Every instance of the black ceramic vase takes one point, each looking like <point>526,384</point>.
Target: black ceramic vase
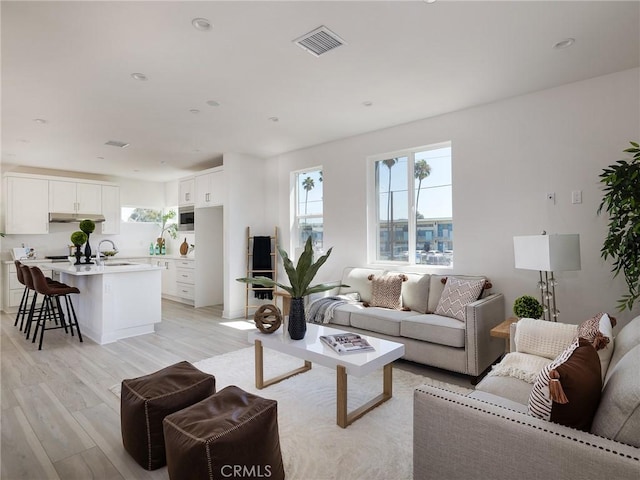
<point>297,321</point>
<point>78,255</point>
<point>87,251</point>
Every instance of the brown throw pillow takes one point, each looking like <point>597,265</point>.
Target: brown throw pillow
<point>567,391</point>
<point>386,291</point>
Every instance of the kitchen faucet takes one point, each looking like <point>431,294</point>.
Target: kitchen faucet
<point>99,260</point>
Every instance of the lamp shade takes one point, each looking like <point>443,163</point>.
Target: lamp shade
<point>547,253</point>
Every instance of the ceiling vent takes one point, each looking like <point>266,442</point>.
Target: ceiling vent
<point>116,143</point>
<point>319,41</point>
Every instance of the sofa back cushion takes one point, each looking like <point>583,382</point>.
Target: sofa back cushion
<point>543,338</point>
<point>415,292</point>
<point>358,281</point>
<point>618,415</point>
<point>626,339</point>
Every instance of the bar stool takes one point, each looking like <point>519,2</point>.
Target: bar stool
<point>24,301</point>
<point>47,311</point>
<point>31,310</point>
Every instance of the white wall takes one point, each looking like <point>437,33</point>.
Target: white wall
<point>506,156</point>
<point>245,205</point>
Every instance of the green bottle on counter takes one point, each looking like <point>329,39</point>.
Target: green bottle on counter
<point>151,249</point>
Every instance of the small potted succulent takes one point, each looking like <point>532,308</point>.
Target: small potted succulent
<point>527,307</point>
<point>78,238</point>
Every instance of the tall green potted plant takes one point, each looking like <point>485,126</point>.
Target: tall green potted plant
<point>300,278</point>
<point>621,201</point>
<point>170,228</point>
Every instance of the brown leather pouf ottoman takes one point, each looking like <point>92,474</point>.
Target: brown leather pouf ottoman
<point>145,401</point>
<point>232,434</point>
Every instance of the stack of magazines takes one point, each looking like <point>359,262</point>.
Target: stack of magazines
<point>347,343</point>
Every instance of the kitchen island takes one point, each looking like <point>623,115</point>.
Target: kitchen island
<point>117,300</point>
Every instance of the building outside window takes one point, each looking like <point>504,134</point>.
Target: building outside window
<point>308,220</point>
<point>413,220</point>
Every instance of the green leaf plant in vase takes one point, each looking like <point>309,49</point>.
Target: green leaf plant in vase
<point>79,238</point>
<point>621,202</point>
<point>527,307</point>
<point>300,278</point>
<point>88,227</point>
<point>166,227</point>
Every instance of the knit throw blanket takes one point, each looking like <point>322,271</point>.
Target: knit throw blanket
<point>522,366</point>
<point>321,310</point>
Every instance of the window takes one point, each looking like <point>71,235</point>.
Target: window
<point>141,215</point>
<point>308,207</point>
<point>413,220</point>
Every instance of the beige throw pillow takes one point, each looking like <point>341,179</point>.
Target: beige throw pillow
<point>457,294</point>
<point>386,291</point>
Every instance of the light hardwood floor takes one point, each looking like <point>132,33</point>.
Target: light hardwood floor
<point>59,420</point>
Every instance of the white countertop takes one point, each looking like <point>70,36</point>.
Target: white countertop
<point>92,269</point>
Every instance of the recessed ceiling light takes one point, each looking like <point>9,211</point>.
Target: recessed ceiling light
<point>274,119</point>
<point>100,158</point>
<point>194,110</point>
<point>201,24</point>
<point>163,162</point>
<point>213,103</point>
<point>23,140</point>
<point>567,42</point>
<point>39,120</point>
<point>139,76</point>
<point>367,103</point>
<point>195,150</point>
<point>429,1</point>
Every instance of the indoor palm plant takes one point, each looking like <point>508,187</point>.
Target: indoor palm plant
<point>621,201</point>
<point>300,278</point>
<point>165,227</point>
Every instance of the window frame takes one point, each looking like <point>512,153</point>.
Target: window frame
<point>373,206</point>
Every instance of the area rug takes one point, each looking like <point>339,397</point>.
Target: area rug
<point>377,446</point>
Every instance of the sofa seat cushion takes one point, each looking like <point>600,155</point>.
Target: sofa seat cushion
<point>508,387</point>
<point>380,320</point>
<point>618,415</point>
<point>342,314</point>
<point>434,328</point>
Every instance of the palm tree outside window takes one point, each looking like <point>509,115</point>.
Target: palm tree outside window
<point>309,207</point>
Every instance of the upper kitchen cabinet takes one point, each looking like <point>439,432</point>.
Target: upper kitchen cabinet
<point>72,197</point>
<point>210,188</point>
<point>111,209</point>
<point>186,189</point>
<point>27,205</point>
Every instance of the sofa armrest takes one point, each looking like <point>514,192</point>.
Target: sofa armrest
<point>480,317</point>
<point>457,437</point>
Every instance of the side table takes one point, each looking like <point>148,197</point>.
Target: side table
<point>503,331</point>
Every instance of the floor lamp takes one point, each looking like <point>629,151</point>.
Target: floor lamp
<point>548,254</point>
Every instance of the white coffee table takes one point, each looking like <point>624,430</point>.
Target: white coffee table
<point>312,349</point>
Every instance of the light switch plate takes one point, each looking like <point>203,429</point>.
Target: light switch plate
<point>576,196</point>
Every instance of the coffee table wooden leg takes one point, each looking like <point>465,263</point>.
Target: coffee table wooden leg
<point>259,364</point>
<point>343,417</point>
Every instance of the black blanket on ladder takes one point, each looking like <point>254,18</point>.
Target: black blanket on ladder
<point>262,261</point>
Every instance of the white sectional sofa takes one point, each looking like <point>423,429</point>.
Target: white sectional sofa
<point>436,340</point>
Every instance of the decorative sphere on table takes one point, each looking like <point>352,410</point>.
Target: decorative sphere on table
<point>268,318</point>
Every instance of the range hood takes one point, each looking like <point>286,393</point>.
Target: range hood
<point>55,217</point>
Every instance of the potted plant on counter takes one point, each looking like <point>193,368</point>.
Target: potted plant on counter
<point>88,227</point>
<point>300,278</point>
<point>78,238</point>
<point>170,228</point>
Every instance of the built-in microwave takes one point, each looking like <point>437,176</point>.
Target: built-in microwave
<point>186,219</point>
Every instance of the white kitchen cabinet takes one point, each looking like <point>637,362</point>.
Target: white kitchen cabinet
<point>111,209</point>
<point>169,287</point>
<point>185,279</point>
<point>26,205</point>
<point>209,188</point>
<point>186,192</point>
<point>75,197</point>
